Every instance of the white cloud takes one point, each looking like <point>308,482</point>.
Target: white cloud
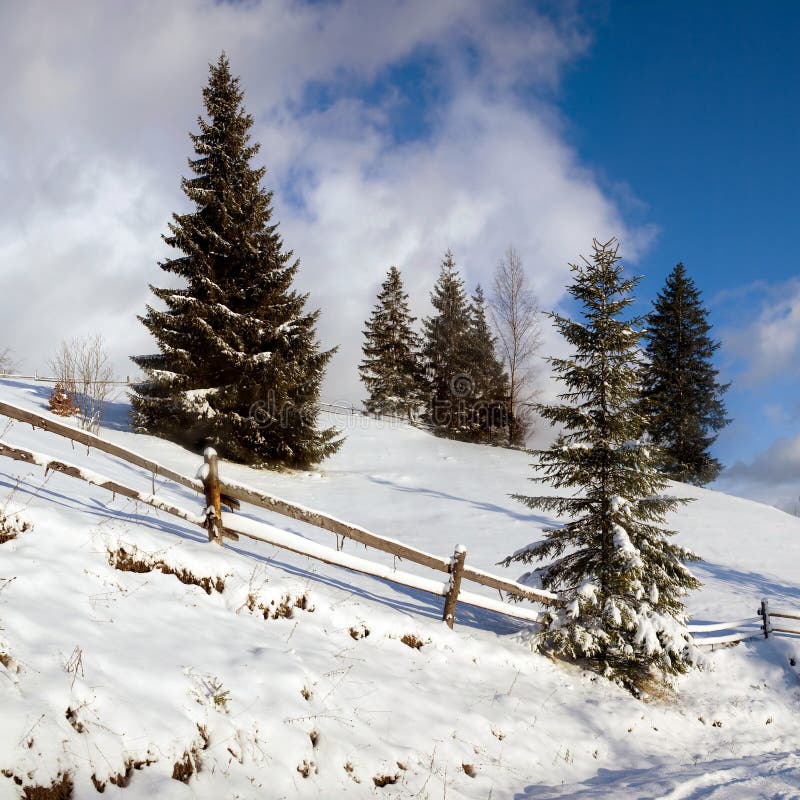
<point>93,151</point>
<point>770,344</point>
<point>772,477</point>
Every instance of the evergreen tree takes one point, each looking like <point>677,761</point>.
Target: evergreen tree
<point>680,392</point>
<point>619,578</point>
<point>490,409</point>
<point>391,369</point>
<point>239,362</point>
<point>447,354</point>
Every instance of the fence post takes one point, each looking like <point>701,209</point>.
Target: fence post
<point>764,612</point>
<point>213,501</point>
<point>451,598</point>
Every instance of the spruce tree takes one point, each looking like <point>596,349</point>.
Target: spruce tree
<point>391,368</point>
<point>490,409</point>
<point>619,578</point>
<point>239,362</point>
<point>447,355</point>
<point>681,395</point>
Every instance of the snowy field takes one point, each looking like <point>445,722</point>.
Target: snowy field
<point>280,677</point>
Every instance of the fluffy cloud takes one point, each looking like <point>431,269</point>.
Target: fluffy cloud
<point>773,477</point>
<point>770,343</point>
<point>95,143</point>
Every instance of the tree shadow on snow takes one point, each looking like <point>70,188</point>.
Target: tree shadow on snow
<point>476,504</point>
<point>416,602</point>
<point>761,585</point>
<point>95,508</point>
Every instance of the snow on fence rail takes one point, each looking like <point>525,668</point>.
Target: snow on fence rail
<point>219,492</point>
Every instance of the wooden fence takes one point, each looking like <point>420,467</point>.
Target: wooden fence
<point>219,492</point>
<point>742,630</point>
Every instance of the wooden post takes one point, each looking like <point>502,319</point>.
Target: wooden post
<point>764,611</point>
<point>213,501</point>
<point>451,598</point>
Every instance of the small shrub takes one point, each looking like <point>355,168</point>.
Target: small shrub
<point>385,780</point>
<point>359,632</point>
<point>183,769</point>
<point>61,403</point>
<point>412,640</point>
<point>60,789</point>
<point>306,768</point>
<point>11,526</point>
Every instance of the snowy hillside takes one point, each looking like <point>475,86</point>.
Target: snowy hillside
<point>139,660</point>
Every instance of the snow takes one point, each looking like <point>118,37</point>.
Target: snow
<point>295,681</point>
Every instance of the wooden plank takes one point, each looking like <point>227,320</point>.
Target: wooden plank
<point>723,626</point>
<point>91,440</point>
<point>783,630</point>
<point>263,532</point>
<point>512,587</point>
<point>783,616</point>
<point>515,610</point>
<point>734,637</point>
<point>337,526</point>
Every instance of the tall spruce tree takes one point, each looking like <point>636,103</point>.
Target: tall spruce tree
<point>490,410</point>
<point>391,368</point>
<point>447,355</point>
<point>239,361</point>
<point>681,395</point>
<point>618,576</point>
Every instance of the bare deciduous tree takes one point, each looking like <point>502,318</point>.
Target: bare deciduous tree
<point>83,368</point>
<point>6,362</point>
<point>515,314</point>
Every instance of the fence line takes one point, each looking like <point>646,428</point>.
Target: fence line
<point>223,492</point>
<point>231,492</point>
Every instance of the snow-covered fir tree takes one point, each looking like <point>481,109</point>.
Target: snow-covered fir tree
<point>447,355</point>
<point>681,395</point>
<point>490,411</point>
<point>239,361</point>
<point>619,578</point>
<point>391,370</point>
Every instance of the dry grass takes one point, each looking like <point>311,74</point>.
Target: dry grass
<point>385,780</point>
<point>126,561</point>
<point>60,789</point>
<point>11,528</point>
<point>282,610</point>
<point>413,641</point>
<point>359,632</point>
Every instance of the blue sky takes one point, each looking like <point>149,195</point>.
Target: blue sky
<point>394,130</point>
<point>692,108</point>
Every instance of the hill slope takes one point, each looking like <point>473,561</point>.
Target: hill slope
<point>269,675</point>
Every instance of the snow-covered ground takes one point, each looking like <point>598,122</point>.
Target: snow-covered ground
<point>294,679</point>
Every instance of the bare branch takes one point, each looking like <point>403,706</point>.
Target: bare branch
<point>516,318</point>
<point>83,368</point>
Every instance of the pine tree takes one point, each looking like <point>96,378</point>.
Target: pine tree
<point>490,409</point>
<point>391,369</point>
<point>619,578</point>
<point>681,395</point>
<point>239,362</point>
<point>447,354</point>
